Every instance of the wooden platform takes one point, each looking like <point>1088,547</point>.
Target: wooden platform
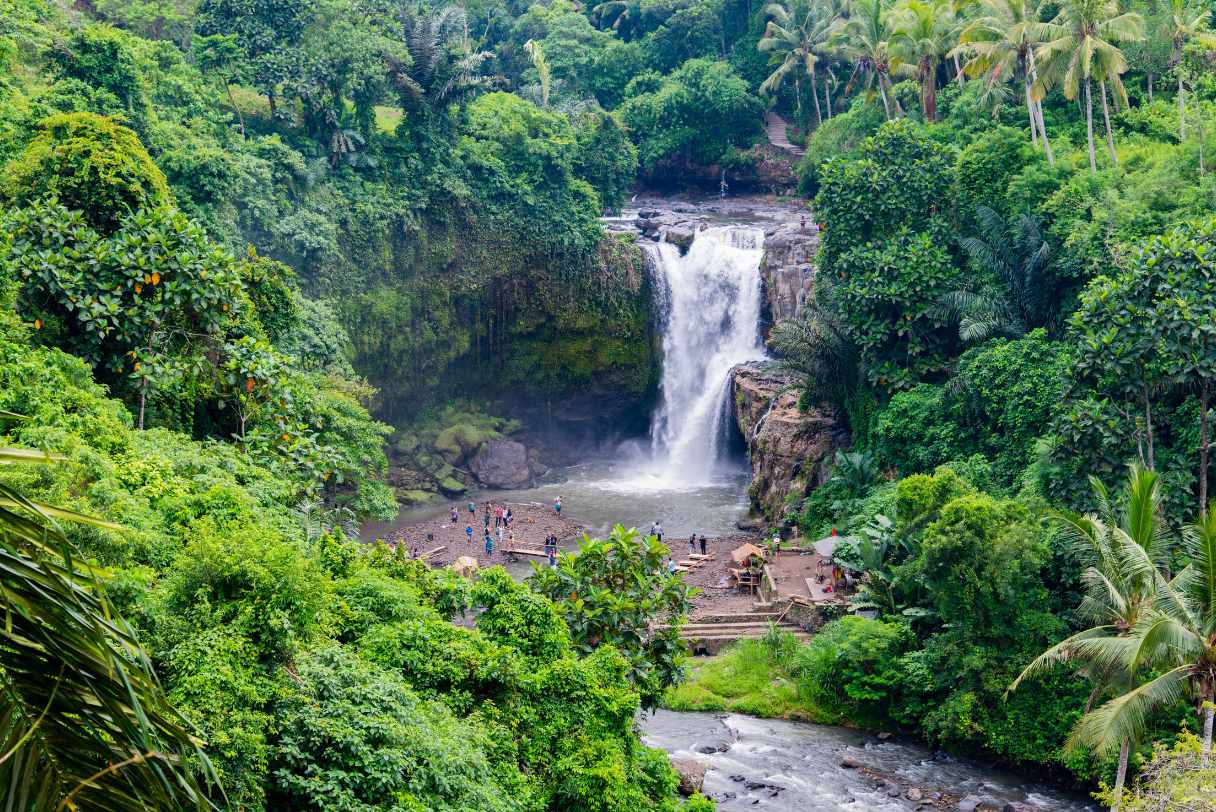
<point>526,551</point>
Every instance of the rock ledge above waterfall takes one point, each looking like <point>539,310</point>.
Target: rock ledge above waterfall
<point>790,450</point>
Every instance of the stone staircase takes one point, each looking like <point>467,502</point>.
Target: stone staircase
<point>707,635</point>
<point>776,129</point>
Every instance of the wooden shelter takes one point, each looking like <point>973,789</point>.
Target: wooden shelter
<point>744,553</point>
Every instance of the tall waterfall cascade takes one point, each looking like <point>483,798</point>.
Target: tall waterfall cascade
<point>709,303</point>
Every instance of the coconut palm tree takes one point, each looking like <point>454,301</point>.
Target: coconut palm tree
<point>1080,45</point>
<point>1186,23</point>
<point>1178,634</point>
<point>1120,547</point>
<point>795,37</point>
<point>864,39</point>
<point>536,53</point>
<point>998,43</point>
<point>922,32</point>
<point>84,723</point>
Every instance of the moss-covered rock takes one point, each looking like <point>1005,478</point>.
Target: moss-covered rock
<point>416,497</point>
<point>452,486</point>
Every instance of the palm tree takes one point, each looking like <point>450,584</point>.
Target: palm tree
<point>1186,23</point>
<point>1081,44</point>
<point>921,34</point>
<point>998,42</point>
<point>83,721</point>
<point>1178,633</point>
<point>1016,256</point>
<point>443,69</point>
<point>864,39</point>
<point>1120,548</point>
<point>795,36</point>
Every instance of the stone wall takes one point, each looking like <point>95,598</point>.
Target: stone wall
<point>790,450</point>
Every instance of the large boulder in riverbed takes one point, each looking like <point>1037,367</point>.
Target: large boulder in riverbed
<point>692,775</point>
<point>680,236</point>
<point>502,464</point>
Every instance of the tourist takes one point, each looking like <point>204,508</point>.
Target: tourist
<point>776,541</point>
<point>557,506</point>
<point>656,530</point>
<point>671,566</point>
<point>702,544</point>
<point>510,519</point>
<point>455,516</point>
<point>500,535</point>
<point>498,516</point>
<point>692,544</point>
<point>469,532</point>
<point>472,508</point>
<point>489,543</point>
<point>414,553</point>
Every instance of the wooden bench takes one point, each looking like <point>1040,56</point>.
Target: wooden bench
<point>512,552</point>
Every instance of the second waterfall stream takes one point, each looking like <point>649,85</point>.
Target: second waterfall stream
<point>710,304</point>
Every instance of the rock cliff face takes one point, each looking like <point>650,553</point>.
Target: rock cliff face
<point>790,451</point>
<point>788,269</point>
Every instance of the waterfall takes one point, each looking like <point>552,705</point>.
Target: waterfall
<point>709,302</point>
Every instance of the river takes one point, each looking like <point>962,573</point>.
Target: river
<point>776,765</point>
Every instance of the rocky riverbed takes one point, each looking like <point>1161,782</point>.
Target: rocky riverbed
<point>748,763</point>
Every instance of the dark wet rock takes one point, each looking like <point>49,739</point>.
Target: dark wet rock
<point>914,794</point>
<point>738,778</point>
<point>648,214</point>
<point>502,464</point>
<point>850,763</point>
<point>692,775</point>
<point>894,790</point>
<point>884,735</point>
<point>1020,806</point>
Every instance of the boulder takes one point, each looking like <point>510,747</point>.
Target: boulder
<point>850,763</point>
<point>451,486</point>
<point>1019,806</point>
<point>680,236</point>
<point>415,497</point>
<point>692,775</point>
<point>502,464</point>
<point>465,565</point>
<point>457,443</point>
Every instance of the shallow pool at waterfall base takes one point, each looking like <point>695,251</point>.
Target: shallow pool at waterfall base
<point>600,494</point>
<point>778,766</point>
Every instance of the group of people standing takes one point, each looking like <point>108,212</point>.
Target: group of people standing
<point>504,524</point>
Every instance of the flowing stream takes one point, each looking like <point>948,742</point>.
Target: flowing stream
<point>783,766</point>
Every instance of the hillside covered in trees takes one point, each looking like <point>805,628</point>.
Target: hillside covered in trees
<point>252,248</point>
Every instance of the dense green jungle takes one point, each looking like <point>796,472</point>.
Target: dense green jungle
<point>270,269</point>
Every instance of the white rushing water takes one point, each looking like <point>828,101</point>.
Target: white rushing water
<point>710,306</point>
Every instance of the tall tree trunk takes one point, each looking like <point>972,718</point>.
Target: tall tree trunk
<point>1089,127</point>
<point>882,91</point>
<point>143,399</point>
<point>1148,430</point>
<point>1181,108</point>
<point>930,94</point>
<point>1110,138</point>
<point>798,100</point>
<point>1051,156</point>
<point>815,96</point>
<point>958,71</point>
<point>1030,113</point>
<point>827,95</point>
<point>899,109</point>
<point>1149,79</point>
<point>1120,776</point>
<point>240,116</point>
<point>1204,398</point>
<point>1207,728</point>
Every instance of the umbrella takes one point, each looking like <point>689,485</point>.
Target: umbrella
<point>827,546</point>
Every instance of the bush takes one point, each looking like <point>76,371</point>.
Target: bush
<point>89,164</point>
<point>851,669</point>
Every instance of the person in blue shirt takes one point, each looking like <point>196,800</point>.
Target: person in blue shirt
<point>469,532</point>
<point>489,544</point>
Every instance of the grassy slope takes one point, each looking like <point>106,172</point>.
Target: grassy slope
<point>745,678</point>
